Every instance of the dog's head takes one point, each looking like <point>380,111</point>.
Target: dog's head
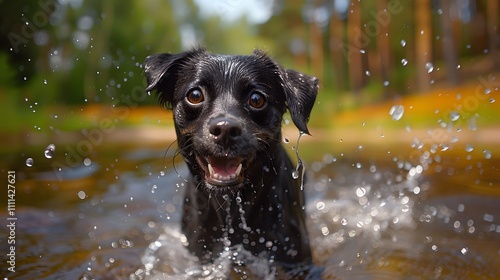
<point>228,110</point>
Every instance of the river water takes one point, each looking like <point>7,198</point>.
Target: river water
<point>372,214</point>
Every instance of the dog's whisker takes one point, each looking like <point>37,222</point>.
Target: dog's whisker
<point>177,152</point>
<point>175,167</point>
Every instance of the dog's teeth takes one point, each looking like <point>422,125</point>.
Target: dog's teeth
<point>211,170</point>
<point>220,177</point>
<point>238,170</point>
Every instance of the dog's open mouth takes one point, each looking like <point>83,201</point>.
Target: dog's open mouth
<point>222,171</point>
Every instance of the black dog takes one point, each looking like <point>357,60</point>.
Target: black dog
<point>228,113</point>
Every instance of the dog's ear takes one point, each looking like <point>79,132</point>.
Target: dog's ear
<point>300,93</point>
<point>162,72</point>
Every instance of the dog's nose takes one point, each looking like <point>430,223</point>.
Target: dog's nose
<point>224,130</point>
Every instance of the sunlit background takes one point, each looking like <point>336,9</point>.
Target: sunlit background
<point>403,158</point>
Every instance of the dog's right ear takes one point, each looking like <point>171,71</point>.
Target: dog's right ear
<point>162,72</point>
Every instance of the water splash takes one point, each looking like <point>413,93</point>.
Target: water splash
<point>168,258</point>
<point>243,224</point>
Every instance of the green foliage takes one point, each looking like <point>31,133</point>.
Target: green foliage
<point>63,69</point>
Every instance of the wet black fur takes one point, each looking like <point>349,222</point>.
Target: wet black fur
<point>265,212</point>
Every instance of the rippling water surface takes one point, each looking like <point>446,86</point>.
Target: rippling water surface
<point>116,213</point>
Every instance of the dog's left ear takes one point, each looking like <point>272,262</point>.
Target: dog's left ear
<point>161,72</point>
<point>300,93</point>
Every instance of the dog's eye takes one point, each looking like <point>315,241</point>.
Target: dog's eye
<point>195,96</point>
<point>257,100</point>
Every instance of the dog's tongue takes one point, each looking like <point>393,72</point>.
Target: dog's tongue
<point>225,167</point>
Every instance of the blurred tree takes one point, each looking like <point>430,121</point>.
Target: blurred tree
<point>383,47</point>
<point>336,43</point>
<point>356,48</point>
<point>92,51</point>
<point>448,42</point>
<point>492,9</point>
<point>317,15</point>
<point>24,27</point>
<point>288,34</point>
<point>423,43</point>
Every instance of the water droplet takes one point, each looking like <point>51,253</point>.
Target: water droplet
<point>469,148</point>
<point>286,140</point>
<point>464,250</point>
<point>404,61</point>
<point>295,174</point>
<point>403,43</point>
<point>386,83</point>
<point>397,112</point>
<point>87,162</point>
<point>487,91</point>
<point>343,221</point>
<point>454,116</point>
<point>488,218</point>
<point>29,162</point>
<point>320,206</point>
<point>82,195</point>
<point>429,66</point>
<point>325,231</point>
<point>49,151</point>
<point>487,154</point>
<point>360,192</point>
<point>416,190</point>
<point>492,100</point>
<point>362,51</point>
<point>44,81</point>
<point>368,73</point>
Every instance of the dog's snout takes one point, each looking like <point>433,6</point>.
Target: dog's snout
<point>224,130</point>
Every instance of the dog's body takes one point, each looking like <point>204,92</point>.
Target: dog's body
<point>228,113</point>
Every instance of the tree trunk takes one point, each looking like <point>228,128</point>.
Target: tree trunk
<point>492,23</point>
<point>357,41</point>
<point>423,43</point>
<point>383,46</point>
<point>316,49</point>
<point>449,46</point>
<point>336,44</point>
